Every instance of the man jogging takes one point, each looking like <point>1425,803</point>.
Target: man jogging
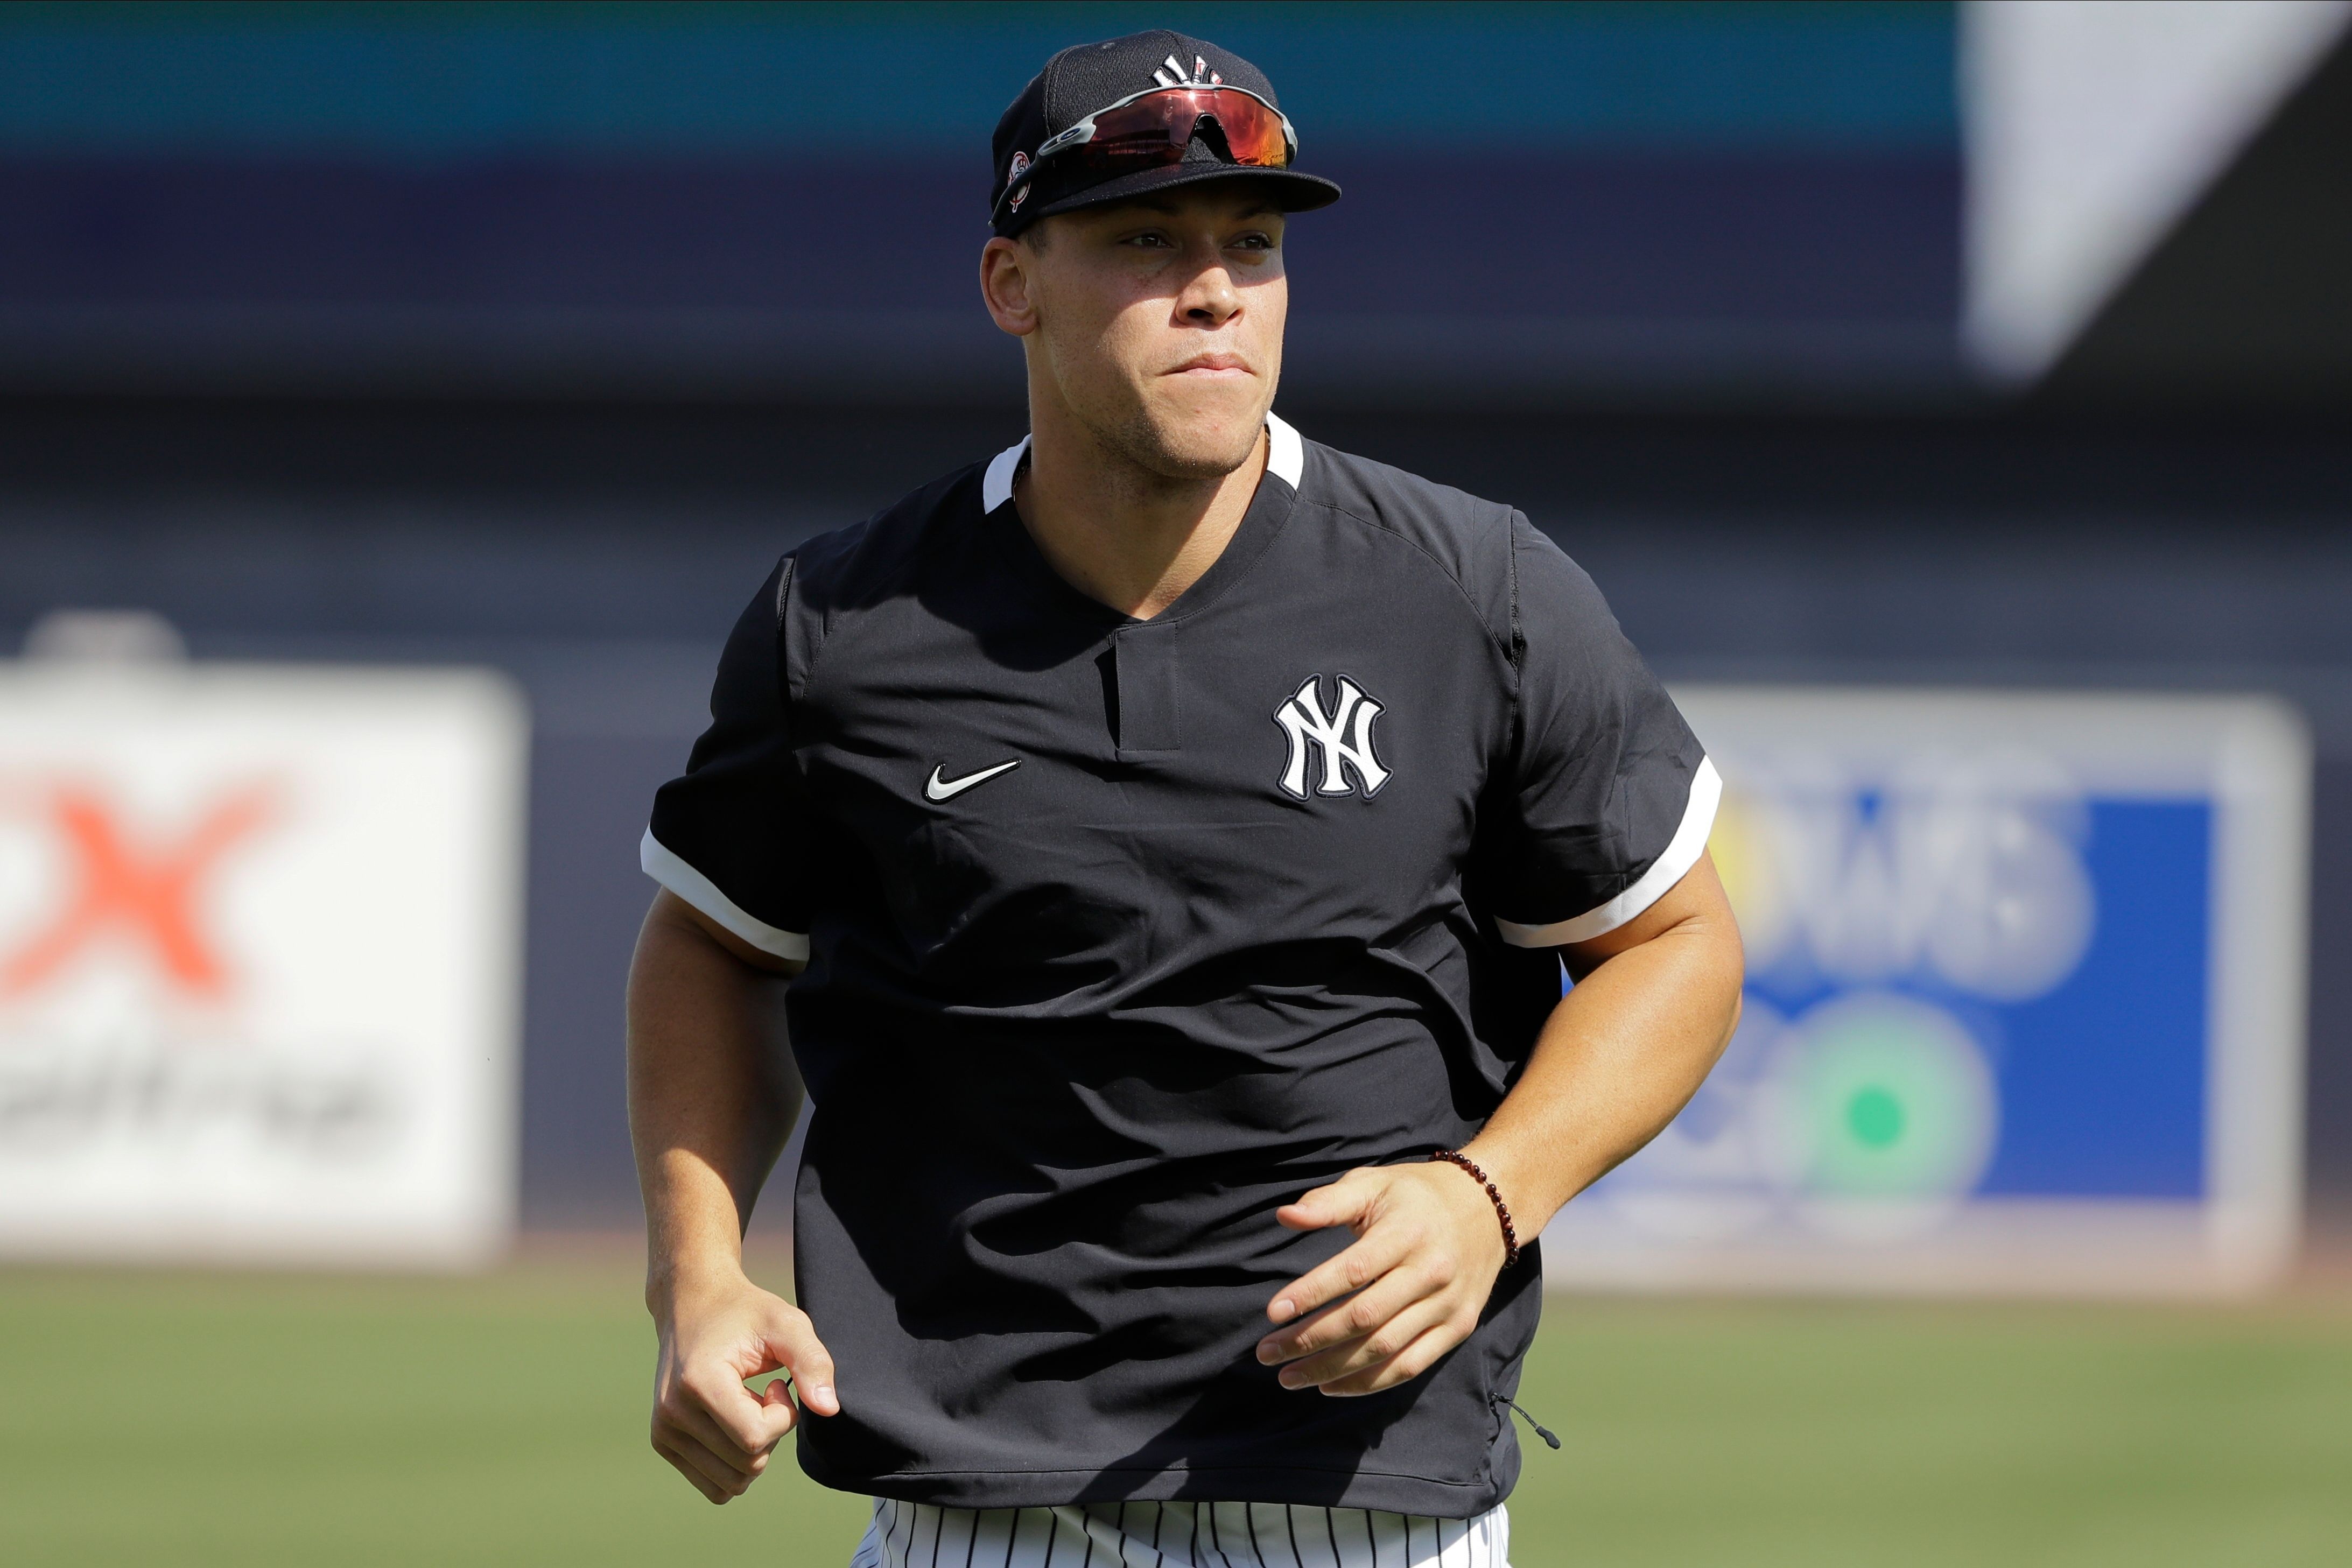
<point>1172,831</point>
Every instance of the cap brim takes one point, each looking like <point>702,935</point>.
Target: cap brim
<point>1295,191</point>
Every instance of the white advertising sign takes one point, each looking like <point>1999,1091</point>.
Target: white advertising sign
<point>259,954</point>
<point>2024,1003</point>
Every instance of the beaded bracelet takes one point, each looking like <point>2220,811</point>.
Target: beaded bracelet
<point>1494,1194</point>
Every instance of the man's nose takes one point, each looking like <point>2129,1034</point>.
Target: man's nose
<point>1209,299</point>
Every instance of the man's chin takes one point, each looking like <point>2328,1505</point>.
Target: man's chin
<point>1203,443</point>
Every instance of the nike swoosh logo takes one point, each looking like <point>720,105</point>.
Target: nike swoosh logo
<point>937,789</point>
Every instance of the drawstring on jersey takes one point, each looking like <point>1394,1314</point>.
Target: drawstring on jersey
<point>1541,1430</point>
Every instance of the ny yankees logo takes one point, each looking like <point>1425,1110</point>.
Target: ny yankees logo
<point>1344,736</point>
<point>1171,73</point>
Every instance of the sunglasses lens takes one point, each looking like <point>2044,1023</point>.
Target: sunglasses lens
<point>1155,130</point>
<point>1253,132</point>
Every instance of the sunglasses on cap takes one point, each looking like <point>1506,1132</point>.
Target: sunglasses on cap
<point>1151,129</point>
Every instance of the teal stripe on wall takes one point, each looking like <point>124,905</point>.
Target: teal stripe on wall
<point>826,81</point>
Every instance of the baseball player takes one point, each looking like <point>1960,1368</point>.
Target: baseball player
<point>1171,832</point>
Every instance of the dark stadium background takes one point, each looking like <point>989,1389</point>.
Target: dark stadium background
<point>531,336</point>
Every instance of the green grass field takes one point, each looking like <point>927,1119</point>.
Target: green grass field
<point>156,1419</point>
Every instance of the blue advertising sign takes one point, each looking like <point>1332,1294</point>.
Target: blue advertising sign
<point>2024,1005</point>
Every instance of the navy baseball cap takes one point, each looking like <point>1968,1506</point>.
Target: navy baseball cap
<point>1172,97</point>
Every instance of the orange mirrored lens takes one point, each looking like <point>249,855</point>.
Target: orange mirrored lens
<point>1156,128</point>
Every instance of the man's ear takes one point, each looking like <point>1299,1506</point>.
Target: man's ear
<point>1008,280</point>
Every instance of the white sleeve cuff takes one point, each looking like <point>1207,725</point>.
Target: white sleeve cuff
<point>699,890</point>
<point>1689,842</point>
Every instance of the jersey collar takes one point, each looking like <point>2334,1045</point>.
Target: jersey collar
<point>1285,459</point>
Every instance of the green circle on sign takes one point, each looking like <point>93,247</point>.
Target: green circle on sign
<point>1890,1098</point>
<point>1875,1116</point>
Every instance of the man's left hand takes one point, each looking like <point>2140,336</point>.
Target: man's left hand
<point>1428,1247</point>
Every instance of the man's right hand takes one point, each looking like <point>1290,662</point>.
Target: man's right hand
<point>714,1335</point>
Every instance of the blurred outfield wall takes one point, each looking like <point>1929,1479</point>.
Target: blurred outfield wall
<point>601,200</point>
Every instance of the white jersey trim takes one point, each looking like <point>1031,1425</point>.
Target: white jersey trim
<point>674,873</point>
<point>1285,454</point>
<point>1689,842</point>
<point>1285,459</point>
<point>996,485</point>
<point>1177,1535</point>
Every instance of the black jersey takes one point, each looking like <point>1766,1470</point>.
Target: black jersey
<point>1122,934</point>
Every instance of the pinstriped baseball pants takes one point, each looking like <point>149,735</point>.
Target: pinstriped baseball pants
<point>1177,1535</point>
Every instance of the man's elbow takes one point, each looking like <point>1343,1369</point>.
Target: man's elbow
<point>1726,973</point>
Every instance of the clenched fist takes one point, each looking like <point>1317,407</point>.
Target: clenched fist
<point>713,1336</point>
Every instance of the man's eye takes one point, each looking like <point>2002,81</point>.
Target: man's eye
<point>1149,242</point>
<point>1254,242</point>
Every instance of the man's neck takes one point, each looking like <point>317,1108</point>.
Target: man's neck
<point>1116,531</point>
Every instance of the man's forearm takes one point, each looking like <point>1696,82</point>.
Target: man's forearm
<point>712,1095</point>
<point>711,1092</point>
<point>1621,1053</point>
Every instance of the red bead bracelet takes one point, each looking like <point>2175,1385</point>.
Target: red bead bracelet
<point>1494,1194</point>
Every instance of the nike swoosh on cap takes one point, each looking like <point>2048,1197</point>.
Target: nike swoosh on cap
<point>937,789</point>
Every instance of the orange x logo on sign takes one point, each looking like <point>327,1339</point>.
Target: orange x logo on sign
<point>152,896</point>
